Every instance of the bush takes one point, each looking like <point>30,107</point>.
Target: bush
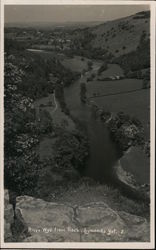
<point>125,130</point>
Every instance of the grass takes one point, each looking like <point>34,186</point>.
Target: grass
<point>59,118</point>
<point>112,70</point>
<point>107,87</point>
<point>127,37</point>
<point>75,64</point>
<point>87,190</point>
<point>62,120</point>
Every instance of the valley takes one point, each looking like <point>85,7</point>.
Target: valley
<point>82,133</point>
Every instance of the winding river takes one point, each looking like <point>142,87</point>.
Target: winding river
<point>104,154</point>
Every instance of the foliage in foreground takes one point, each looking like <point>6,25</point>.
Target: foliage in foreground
<point>23,132</point>
<point>21,161</point>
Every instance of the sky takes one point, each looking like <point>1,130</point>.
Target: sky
<point>68,13</point>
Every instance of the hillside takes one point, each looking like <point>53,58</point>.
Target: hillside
<point>123,35</point>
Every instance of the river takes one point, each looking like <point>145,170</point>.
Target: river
<point>104,154</point>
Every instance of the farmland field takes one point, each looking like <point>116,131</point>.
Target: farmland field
<point>78,64</point>
<point>107,87</point>
<point>75,63</point>
<point>135,103</point>
<point>113,69</point>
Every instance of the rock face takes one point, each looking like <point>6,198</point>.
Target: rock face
<point>8,217</point>
<point>92,222</point>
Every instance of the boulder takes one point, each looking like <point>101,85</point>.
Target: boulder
<point>91,222</point>
<point>99,223</point>
<point>47,221</point>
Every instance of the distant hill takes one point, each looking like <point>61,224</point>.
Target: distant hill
<point>123,35</point>
<point>52,25</point>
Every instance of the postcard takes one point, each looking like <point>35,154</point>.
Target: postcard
<point>78,124</point>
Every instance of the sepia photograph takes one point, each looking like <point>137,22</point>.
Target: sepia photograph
<point>77,123</point>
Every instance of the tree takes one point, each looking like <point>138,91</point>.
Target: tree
<point>21,162</point>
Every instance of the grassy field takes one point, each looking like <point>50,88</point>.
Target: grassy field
<point>112,70</point>
<point>106,87</point>
<point>75,64</point>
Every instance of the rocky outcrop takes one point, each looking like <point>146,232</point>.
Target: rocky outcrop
<point>92,222</point>
<point>8,217</point>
